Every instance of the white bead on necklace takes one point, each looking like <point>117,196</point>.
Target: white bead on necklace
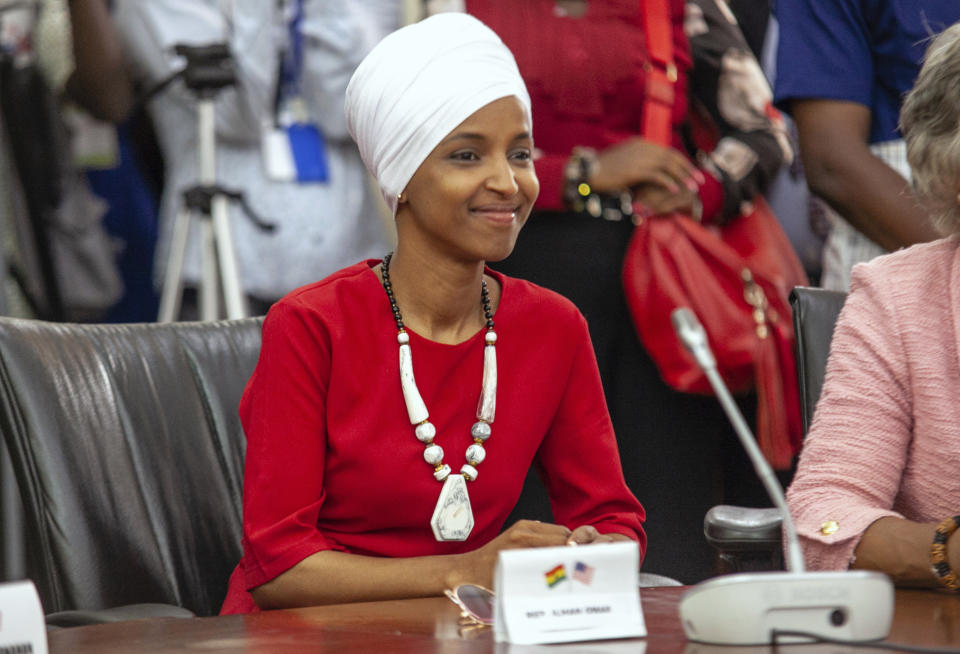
<point>453,516</point>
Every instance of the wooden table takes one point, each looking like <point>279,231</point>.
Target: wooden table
<point>430,625</point>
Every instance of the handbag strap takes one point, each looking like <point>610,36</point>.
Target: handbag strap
<point>661,72</point>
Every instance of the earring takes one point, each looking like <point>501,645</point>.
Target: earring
<point>400,198</point>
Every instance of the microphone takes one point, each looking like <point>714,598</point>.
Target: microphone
<point>755,608</point>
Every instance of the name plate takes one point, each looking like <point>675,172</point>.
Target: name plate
<point>565,594</point>
<point>22,628</point>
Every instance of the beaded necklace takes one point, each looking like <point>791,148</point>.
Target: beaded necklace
<point>453,517</point>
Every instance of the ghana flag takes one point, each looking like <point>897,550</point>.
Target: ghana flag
<point>556,575</point>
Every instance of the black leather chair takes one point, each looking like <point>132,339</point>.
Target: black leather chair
<point>750,538</point>
<point>128,453</point>
<point>815,312</point>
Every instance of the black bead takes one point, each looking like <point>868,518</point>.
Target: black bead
<point>388,287</point>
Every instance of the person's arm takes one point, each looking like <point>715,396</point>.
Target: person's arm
<point>831,106</point>
<point>727,83</point>
<point>330,577</point>
<point>853,459</point>
<point>578,460</point>
<point>840,168</point>
<point>638,161</point>
<point>100,82</point>
<point>901,549</point>
<point>632,162</point>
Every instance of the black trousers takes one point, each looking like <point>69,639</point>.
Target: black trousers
<point>679,454</point>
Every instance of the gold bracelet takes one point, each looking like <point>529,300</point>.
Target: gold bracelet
<point>938,554</point>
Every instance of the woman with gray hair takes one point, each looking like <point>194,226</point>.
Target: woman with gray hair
<point>877,484</point>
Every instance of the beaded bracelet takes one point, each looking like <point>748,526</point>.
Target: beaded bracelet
<point>938,554</point>
<point>577,191</point>
<point>582,198</point>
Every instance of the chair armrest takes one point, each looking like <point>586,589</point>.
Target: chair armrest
<point>79,618</point>
<point>738,528</point>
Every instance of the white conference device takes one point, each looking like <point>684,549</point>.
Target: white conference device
<point>760,608</point>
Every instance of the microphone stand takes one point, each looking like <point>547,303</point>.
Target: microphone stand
<point>687,327</point>
<point>761,608</point>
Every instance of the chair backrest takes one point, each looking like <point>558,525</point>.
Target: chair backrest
<point>128,452</point>
<point>815,312</point>
<point>749,539</point>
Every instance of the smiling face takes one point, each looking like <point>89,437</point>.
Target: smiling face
<point>473,193</point>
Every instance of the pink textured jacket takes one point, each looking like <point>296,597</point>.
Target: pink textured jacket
<point>885,439</point>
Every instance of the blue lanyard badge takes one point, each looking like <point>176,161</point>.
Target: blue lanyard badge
<point>294,149</point>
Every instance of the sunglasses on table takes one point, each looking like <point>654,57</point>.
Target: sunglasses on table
<point>476,605</point>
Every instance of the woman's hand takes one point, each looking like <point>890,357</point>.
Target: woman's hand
<point>659,200</point>
<point>479,564</point>
<point>588,535</point>
<point>638,161</point>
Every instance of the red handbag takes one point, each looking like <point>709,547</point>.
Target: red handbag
<point>736,278</point>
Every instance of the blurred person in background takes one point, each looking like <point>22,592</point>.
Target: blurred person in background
<point>842,70</point>
<point>63,68</point>
<point>80,48</point>
<point>293,59</point>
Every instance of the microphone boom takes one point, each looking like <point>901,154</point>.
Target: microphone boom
<point>751,608</point>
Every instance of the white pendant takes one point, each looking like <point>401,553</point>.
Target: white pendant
<point>452,518</point>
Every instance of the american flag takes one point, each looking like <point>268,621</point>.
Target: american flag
<point>583,573</point>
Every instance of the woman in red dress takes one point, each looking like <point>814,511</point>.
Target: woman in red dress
<point>381,389</point>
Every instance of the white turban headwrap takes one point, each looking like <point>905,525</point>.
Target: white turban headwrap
<point>417,85</point>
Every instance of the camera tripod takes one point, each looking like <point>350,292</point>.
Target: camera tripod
<point>209,69</point>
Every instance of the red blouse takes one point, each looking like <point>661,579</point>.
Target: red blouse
<point>587,82</point>
<point>332,461</point>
